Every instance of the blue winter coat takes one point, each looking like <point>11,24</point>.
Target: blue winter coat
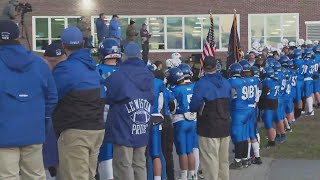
<point>130,94</point>
<point>114,30</point>
<point>28,96</point>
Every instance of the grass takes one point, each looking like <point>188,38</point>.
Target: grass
<point>303,142</point>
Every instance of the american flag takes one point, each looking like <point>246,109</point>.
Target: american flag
<point>209,47</point>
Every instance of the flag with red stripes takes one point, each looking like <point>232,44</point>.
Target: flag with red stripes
<point>209,47</point>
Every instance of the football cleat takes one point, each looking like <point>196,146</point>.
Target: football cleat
<point>236,165</point>
<point>257,160</point>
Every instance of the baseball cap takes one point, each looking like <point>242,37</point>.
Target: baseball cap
<point>132,50</point>
<point>9,30</point>
<point>54,50</point>
<point>209,62</point>
<point>72,36</point>
<point>132,22</point>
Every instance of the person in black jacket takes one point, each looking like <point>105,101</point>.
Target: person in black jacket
<point>78,117</point>
<point>210,99</point>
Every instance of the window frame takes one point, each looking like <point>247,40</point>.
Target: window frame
<point>265,37</point>
<point>183,29</point>
<point>50,39</point>
<point>307,27</point>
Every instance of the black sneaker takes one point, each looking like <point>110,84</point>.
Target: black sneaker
<point>257,160</point>
<point>271,144</point>
<point>236,165</point>
<point>245,163</point>
<point>289,129</point>
<point>249,162</point>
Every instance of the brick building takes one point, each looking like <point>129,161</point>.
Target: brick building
<point>181,25</point>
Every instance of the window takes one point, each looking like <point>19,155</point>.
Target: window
<point>48,29</point>
<point>270,29</point>
<point>183,33</point>
<point>174,33</point>
<point>313,30</point>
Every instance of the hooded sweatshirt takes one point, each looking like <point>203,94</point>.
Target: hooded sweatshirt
<point>27,96</point>
<point>211,96</point>
<point>130,94</point>
<point>80,104</point>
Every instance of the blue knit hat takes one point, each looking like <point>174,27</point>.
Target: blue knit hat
<point>9,30</point>
<point>72,36</point>
<point>132,50</point>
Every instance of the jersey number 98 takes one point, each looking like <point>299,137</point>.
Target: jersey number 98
<point>247,92</point>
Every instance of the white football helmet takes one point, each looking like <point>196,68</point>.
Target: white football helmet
<point>309,42</point>
<point>292,44</point>
<point>176,62</point>
<point>176,55</point>
<point>169,63</point>
<point>300,42</point>
<point>285,42</point>
<point>256,45</point>
<point>315,43</point>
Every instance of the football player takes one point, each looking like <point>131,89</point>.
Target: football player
<point>155,150</point>
<point>316,79</point>
<point>308,71</point>
<point>298,64</point>
<point>268,103</point>
<point>281,134</point>
<point>110,55</point>
<point>183,122</point>
<point>239,116</point>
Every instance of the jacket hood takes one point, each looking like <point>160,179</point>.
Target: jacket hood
<point>216,79</point>
<point>16,57</point>
<point>138,74</point>
<point>84,56</point>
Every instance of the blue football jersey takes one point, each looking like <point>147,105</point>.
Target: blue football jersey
<point>241,93</point>
<point>106,70</point>
<point>316,63</point>
<point>159,97</point>
<point>183,94</point>
<point>273,86</point>
<point>293,77</point>
<point>300,71</point>
<point>308,68</point>
<point>282,83</point>
<point>253,89</point>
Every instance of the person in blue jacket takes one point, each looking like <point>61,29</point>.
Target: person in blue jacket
<point>78,117</point>
<point>210,99</point>
<point>109,50</point>
<point>28,96</point>
<point>101,26</point>
<point>54,54</point>
<point>298,64</point>
<point>130,94</point>
<point>308,68</point>
<point>115,28</point>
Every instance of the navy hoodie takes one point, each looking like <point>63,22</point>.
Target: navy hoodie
<point>130,94</point>
<point>27,96</point>
<point>80,104</point>
<point>211,95</point>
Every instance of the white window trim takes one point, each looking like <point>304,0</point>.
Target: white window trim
<point>265,25</point>
<point>165,29</point>
<point>49,29</point>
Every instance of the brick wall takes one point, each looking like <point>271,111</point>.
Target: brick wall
<point>307,9</point>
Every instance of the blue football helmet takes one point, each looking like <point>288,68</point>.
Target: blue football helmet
<point>269,61</point>
<point>277,66</point>
<point>291,65</point>
<point>308,52</point>
<point>152,67</point>
<point>235,70</point>
<point>255,71</point>
<point>284,60</point>
<point>285,72</point>
<point>186,69</point>
<point>245,65</point>
<point>268,72</point>
<point>109,49</point>
<point>316,49</point>
<point>297,53</point>
<point>174,75</point>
